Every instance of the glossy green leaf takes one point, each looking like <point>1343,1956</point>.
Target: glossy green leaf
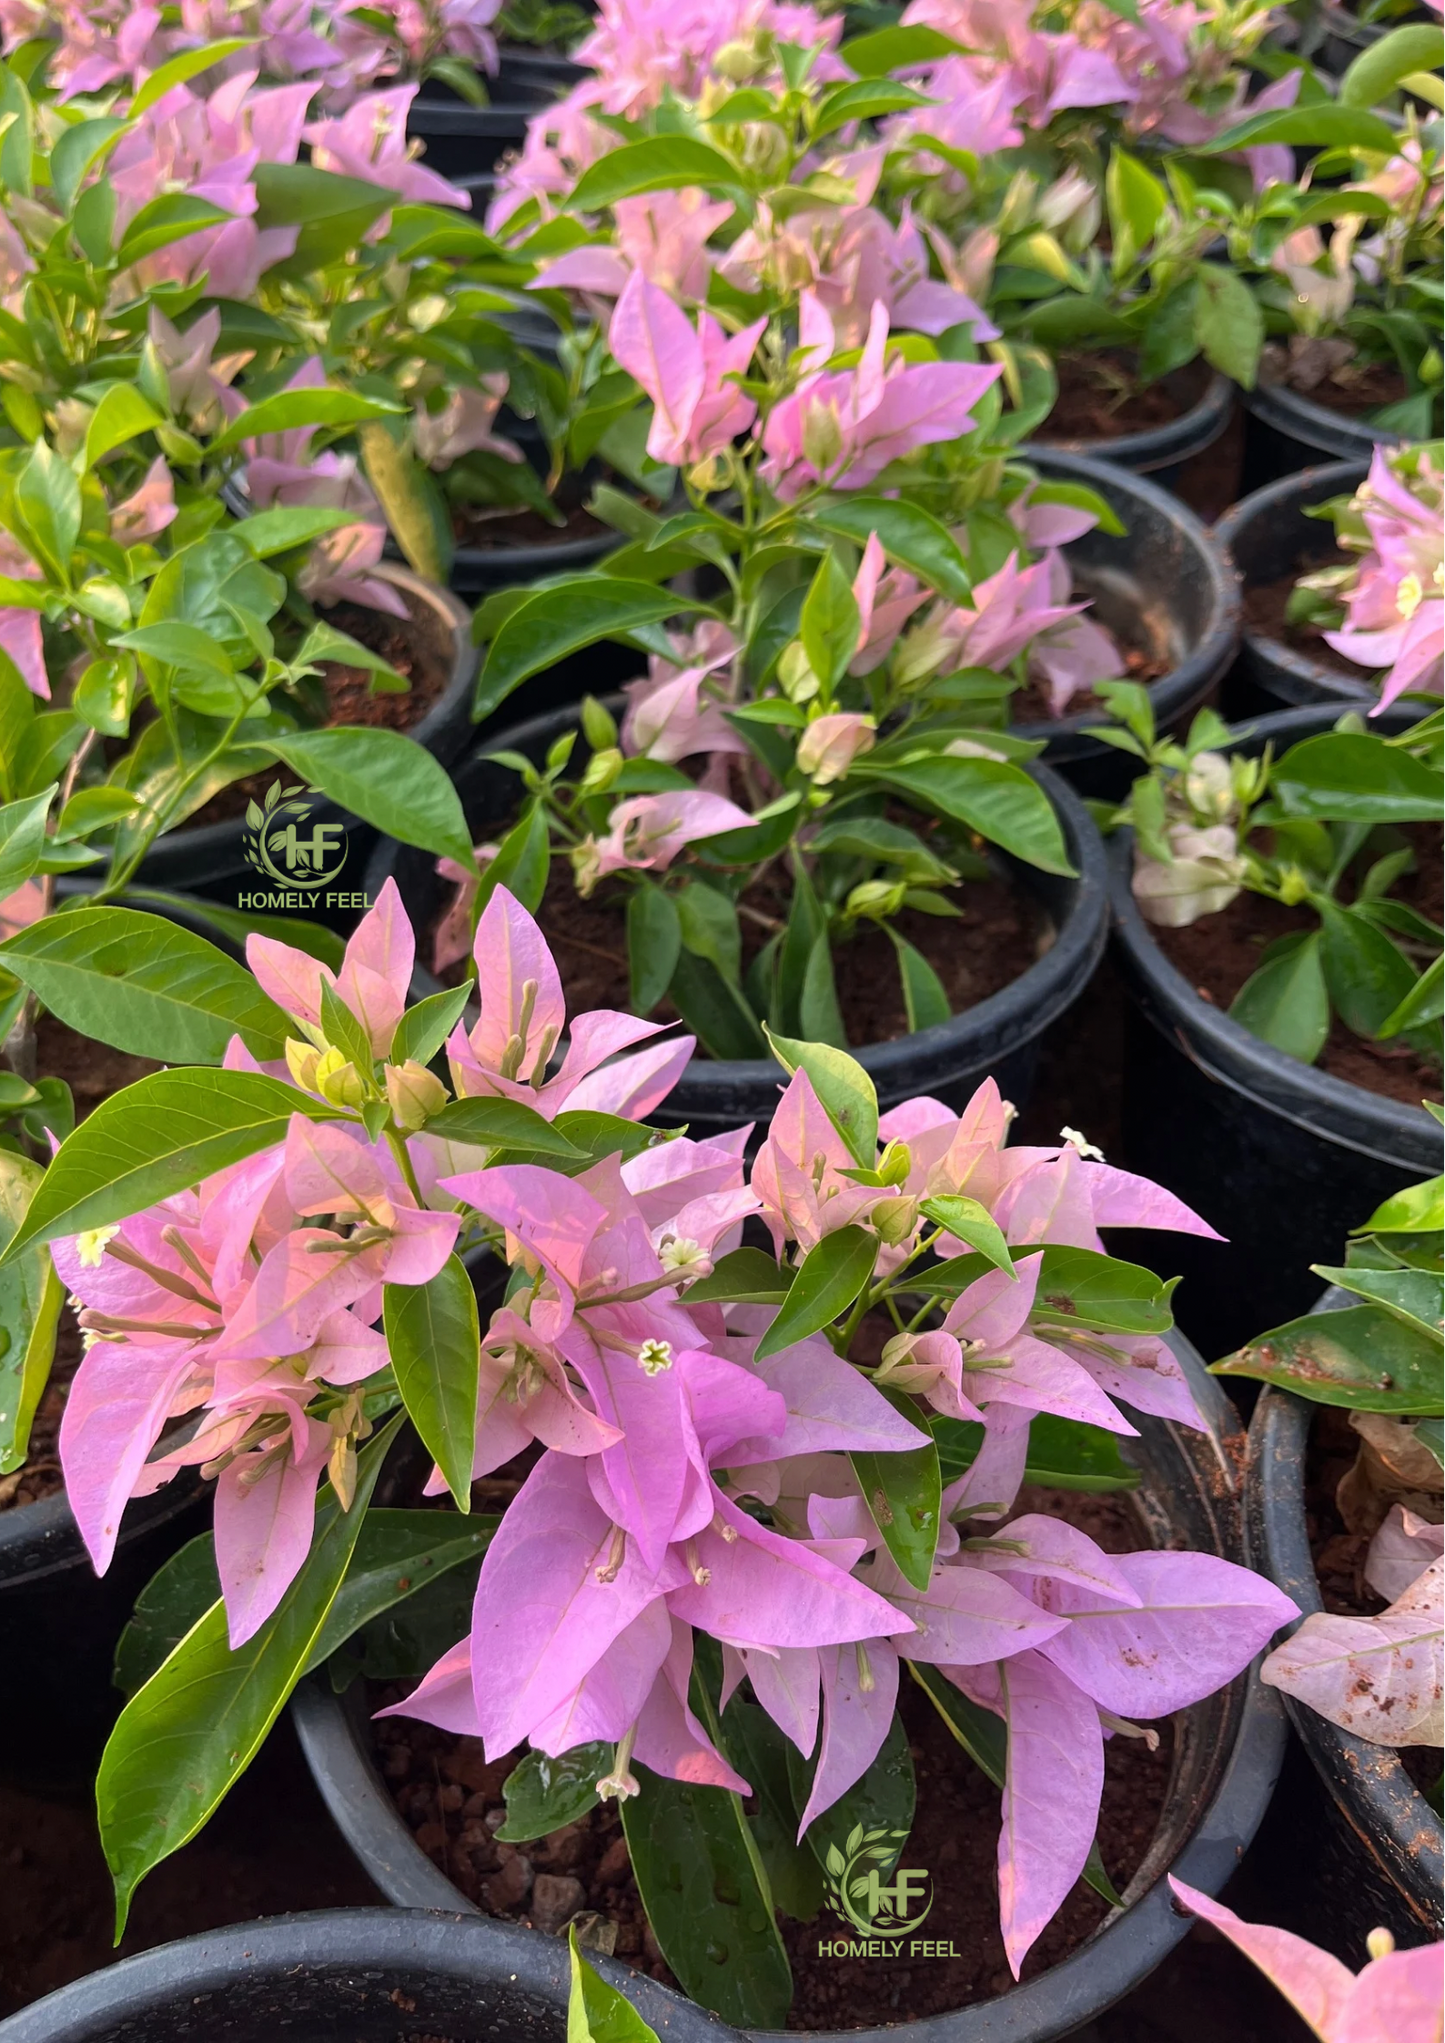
<point>174,216</point>
<point>903,1493</point>
<point>890,49</point>
<point>178,70</point>
<point>1419,1209</point>
<point>657,163</point>
<point>1228,322</point>
<point>22,839</point>
<point>829,622</point>
<point>1417,1297</point>
<point>846,1092</point>
<point>1322,125</point>
<point>1374,74</point>
<point>869,99</point>
<point>47,497</point>
<point>424,1028</point>
<point>542,1794</point>
<point>1063,1454</point>
<point>406,1638</point>
<point>746,1276</point>
<point>1360,1357</point>
<point>830,1277</point>
<point>156,1138</point>
<point>1424,1002</point>
<point>434,1339</point>
<point>714,1009</point>
<point>759,1752</point>
<point>597,2012</point>
<point>522,863</point>
<point>708,927</point>
<point>884,1799</point>
<point>344,1031</point>
<point>184,1740</point>
<point>911,537</point>
<point>1366,976</point>
<point>969,1221</point>
<point>176,1597</point>
<point>145,986</point>
<point>707,1899</point>
<point>1353,777</point>
<point>999,800</point>
<point>654,938</point>
<point>388,780</point>
<point>1080,1287</point>
<point>121,414</point>
<point>285,526</point>
<point>1286,1002</point>
<point>31,1295</point>
<point>1431,1433</point>
<point>563,619</point>
<point>289,410</point>
<point>500,1124</point>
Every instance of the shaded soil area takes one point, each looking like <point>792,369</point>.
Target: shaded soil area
<point>507,528</point>
<point>1219,952</point>
<point>39,1477</point>
<point>1356,389</point>
<point>92,1070</point>
<point>1265,604</point>
<point>1101,398</point>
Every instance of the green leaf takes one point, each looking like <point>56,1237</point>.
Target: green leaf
<point>992,796</point>
<point>1084,1288</point>
<point>145,986</point>
<point>654,938</point>
<point>1374,74</point>
<point>884,1799</point>
<point>1321,125</point>
<point>1353,777</point>
<point>829,1278</point>
<point>409,497</point>
<point>522,864</point>
<point>286,526</point>
<point>910,536</point>
<point>657,163</point>
<point>31,1295</point>
<point>1416,1297</point>
<point>746,1276</point>
<point>708,927</point>
<point>562,619</point>
<point>891,49</point>
<point>846,1092</point>
<point>434,1339</point>
<point>1425,1002</point>
<point>332,213</point>
<point>174,216</point>
<point>183,1741</point>
<point>1367,978</point>
<point>1360,1357</point>
<point>180,69</point>
<point>1430,1433</point>
<point>903,1493</point>
<point>1419,1209</point>
<point>22,838</point>
<point>867,100</point>
<point>597,2012</point>
<point>829,621</point>
<point>819,1014</point>
<point>239,923</point>
<point>1228,322</point>
<point>288,410</point>
<point>176,1597</point>
<point>759,1751</point>
<point>1137,203</point>
<point>388,780</point>
<point>500,1124</point>
<point>714,1009</point>
<point>1286,1002</point>
<point>121,414</point>
<point>1063,1454</point>
<point>424,1028</point>
<point>543,1794</point>
<point>704,1889</point>
<point>970,1222</point>
<point>47,496</point>
<point>158,1137</point>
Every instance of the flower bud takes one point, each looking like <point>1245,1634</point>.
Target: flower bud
<point>1018,203</point>
<point>1209,785</point>
<point>601,771</point>
<point>428,311</point>
<point>599,726</point>
<point>338,1080</point>
<point>1293,886</point>
<point>796,677</point>
<point>895,1163</point>
<point>712,473</point>
<point>875,899</point>
<point>921,652</point>
<point>822,435</point>
<point>414,1092</point>
<point>738,61</point>
<point>301,1061</point>
<point>895,1219</point>
<point>830,744</point>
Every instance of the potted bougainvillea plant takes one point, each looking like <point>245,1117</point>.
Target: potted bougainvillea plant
<point>732,1455</point>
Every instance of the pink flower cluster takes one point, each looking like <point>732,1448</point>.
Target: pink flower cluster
<point>1395,604</point>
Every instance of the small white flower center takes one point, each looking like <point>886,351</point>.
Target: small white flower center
<point>90,1245</point>
<point>654,1356</point>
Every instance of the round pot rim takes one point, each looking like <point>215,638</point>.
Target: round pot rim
<point>1290,412</point>
<point>1040,2011</point>
<point>336,1940</point>
<point>525,564</point>
<point>49,1527</point>
<point>1368,1781</point>
<point>1160,446</point>
<point>1079,942</point>
<point>212,839</point>
<point>1329,478</point>
<point>1331,1107</point>
<point>1173,692</point>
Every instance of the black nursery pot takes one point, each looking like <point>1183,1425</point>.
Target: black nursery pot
<point>999,1036</point>
<point>1227,1758</point>
<point>1280,1157</point>
<point>1374,1847</point>
<point>1163,583</point>
<point>1285,431</point>
<point>460,140</point>
<point>355,1975</point>
<point>211,860</point>
<point>1160,452</point>
<point>1266,537</point>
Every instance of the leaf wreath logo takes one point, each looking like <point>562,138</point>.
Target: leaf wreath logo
<point>283,842</point>
<point>860,1891</point>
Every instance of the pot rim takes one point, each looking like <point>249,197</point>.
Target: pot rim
<point>42,1539</point>
<point>1331,1108</point>
<point>1276,653</point>
<point>1153,447</point>
<point>338,1941</point>
<point>1335,433</point>
<point>1367,1781</point>
<point>1041,993</point>
<point>1046,2008</point>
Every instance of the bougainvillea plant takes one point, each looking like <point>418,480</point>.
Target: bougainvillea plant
<point>1379,1357</point>
<point>785,1474</point>
<point>1318,829</point>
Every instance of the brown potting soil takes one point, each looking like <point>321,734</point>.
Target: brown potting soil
<point>39,1476</point>
<point>1265,604</point>
<point>452,1800</point>
<point>1340,1555</point>
<point>419,647</point>
<point>1219,952</point>
<point>92,1070</point>
<point>1358,390</point>
<point>1100,397</point>
<point>503,528</point>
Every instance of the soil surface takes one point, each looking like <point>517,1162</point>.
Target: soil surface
<point>503,528</point>
<point>1358,390</point>
<point>1265,604</point>
<point>1100,397</point>
<point>92,1070</point>
<point>452,1800</point>
<point>1219,952</point>
<point>419,647</point>
<point>1340,1555</point>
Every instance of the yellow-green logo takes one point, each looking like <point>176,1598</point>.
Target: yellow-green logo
<point>868,1887</point>
<point>286,843</point>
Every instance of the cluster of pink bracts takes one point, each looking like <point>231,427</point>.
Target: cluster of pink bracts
<point>667,1443</point>
<point>1395,605</point>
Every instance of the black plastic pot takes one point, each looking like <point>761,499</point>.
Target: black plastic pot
<point>1265,537</point>
<point>999,1036</point>
<point>1159,452</point>
<point>355,1975</point>
<point>1228,1753</point>
<point>459,140</point>
<point>211,860</point>
<point>1164,582</point>
<point>1375,1852</point>
<point>1285,432</point>
<point>60,1621</point>
<point>1280,1157</point>
<point>529,75</point>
